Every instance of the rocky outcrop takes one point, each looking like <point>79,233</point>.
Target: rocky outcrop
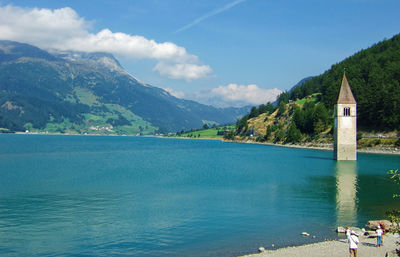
<point>356,230</point>
<point>341,230</point>
<point>370,234</point>
<point>373,225</point>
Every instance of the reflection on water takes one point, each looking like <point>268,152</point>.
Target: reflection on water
<point>132,196</point>
<point>93,224</point>
<point>346,192</point>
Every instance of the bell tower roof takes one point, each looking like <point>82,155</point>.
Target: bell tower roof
<point>345,95</point>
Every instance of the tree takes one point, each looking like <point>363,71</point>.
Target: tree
<point>320,119</point>
<point>279,136</point>
<point>281,108</point>
<point>294,134</point>
<point>270,108</point>
<point>242,125</point>
<point>359,135</point>
<point>313,118</point>
<point>229,135</point>
<point>284,98</point>
<point>254,112</point>
<point>268,133</point>
<point>205,126</point>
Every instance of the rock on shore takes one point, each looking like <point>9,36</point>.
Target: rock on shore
<point>335,248</point>
<point>373,224</point>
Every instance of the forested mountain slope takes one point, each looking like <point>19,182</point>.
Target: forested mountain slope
<point>374,78</point>
<point>82,92</point>
<point>305,113</point>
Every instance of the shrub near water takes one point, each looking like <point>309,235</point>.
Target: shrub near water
<point>374,142</point>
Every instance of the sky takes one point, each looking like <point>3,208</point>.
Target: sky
<point>219,52</point>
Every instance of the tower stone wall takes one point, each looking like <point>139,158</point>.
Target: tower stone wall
<point>345,127</point>
<point>345,135</point>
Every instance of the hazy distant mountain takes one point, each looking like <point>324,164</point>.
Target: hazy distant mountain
<point>86,92</point>
<point>301,82</point>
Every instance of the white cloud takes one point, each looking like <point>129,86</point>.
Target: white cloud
<point>137,47</point>
<point>43,27</point>
<point>236,95</point>
<point>177,94</point>
<point>64,29</point>
<point>250,93</point>
<point>186,71</point>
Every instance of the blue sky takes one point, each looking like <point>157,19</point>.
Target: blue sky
<point>227,52</point>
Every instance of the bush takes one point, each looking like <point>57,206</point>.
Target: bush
<point>260,139</point>
<point>279,136</point>
<point>294,134</point>
<point>229,135</point>
<point>281,109</point>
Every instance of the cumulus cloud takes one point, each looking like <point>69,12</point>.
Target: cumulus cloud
<point>137,47</point>
<point>43,27</point>
<point>251,93</point>
<point>236,95</point>
<point>186,71</point>
<point>64,29</point>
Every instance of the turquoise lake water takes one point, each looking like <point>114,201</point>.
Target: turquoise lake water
<point>135,196</point>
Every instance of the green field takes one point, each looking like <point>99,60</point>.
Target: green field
<point>207,133</point>
<point>312,98</point>
<point>86,96</point>
<point>100,121</point>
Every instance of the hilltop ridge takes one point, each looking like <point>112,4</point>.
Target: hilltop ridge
<point>304,114</point>
<point>77,92</point>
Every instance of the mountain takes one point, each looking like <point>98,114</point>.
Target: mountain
<point>301,82</point>
<point>374,78</point>
<point>305,113</point>
<point>286,93</point>
<point>63,91</point>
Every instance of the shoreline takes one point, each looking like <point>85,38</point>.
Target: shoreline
<point>324,148</point>
<point>334,248</point>
<point>395,151</point>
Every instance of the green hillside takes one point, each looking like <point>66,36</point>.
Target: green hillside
<point>374,78</point>
<point>76,92</point>
<point>305,113</point>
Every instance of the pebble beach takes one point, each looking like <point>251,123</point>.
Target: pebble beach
<point>335,248</point>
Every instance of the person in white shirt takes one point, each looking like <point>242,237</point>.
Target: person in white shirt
<point>379,233</point>
<point>353,244</point>
<point>348,232</point>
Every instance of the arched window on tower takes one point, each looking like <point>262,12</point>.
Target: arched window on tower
<point>346,111</point>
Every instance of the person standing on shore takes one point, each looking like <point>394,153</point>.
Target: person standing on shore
<point>383,230</point>
<point>348,233</point>
<point>353,244</point>
<point>379,233</point>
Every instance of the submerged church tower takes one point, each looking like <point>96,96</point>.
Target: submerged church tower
<point>345,130</point>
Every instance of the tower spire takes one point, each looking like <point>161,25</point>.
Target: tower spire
<point>345,94</point>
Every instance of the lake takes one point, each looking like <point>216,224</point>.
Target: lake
<point>144,196</point>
